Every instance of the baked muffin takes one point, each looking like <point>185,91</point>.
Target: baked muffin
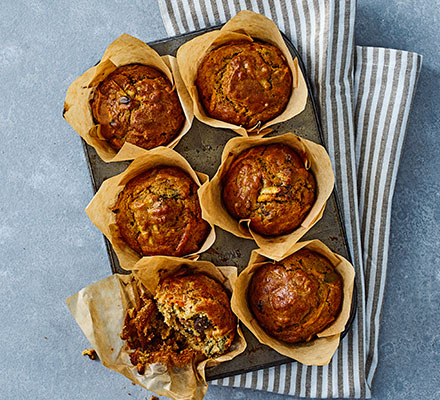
<point>158,213</point>
<point>150,340</point>
<point>137,104</point>
<point>270,186</point>
<point>296,298</point>
<point>199,308</point>
<point>244,83</point>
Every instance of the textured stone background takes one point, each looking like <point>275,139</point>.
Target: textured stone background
<point>49,249</point>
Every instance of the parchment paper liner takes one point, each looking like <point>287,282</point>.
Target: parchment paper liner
<point>100,211</point>
<point>124,50</point>
<point>318,351</point>
<point>277,247</point>
<point>99,310</point>
<point>246,25</point>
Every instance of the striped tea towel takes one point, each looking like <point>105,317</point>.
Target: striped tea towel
<point>365,95</point>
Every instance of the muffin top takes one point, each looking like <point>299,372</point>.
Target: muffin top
<point>198,307</point>
<point>137,104</point>
<point>269,185</point>
<point>244,83</point>
<point>158,213</point>
<point>296,298</point>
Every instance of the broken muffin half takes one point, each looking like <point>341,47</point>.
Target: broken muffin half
<point>188,319</point>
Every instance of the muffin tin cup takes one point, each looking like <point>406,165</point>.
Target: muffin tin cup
<point>100,211</point>
<point>124,50</point>
<point>246,26</point>
<point>100,309</point>
<point>318,351</point>
<point>213,210</point>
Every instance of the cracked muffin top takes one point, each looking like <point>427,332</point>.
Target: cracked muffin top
<point>137,104</point>
<point>244,83</point>
<point>296,298</point>
<point>158,213</point>
<point>199,308</point>
<point>269,185</point>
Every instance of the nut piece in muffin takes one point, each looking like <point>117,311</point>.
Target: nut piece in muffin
<point>296,298</point>
<point>150,340</point>
<point>158,213</point>
<point>199,308</point>
<point>269,185</point>
<point>137,104</point>
<point>244,83</point>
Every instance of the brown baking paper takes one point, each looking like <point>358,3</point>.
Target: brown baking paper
<point>100,309</point>
<point>213,210</point>
<point>246,25</point>
<point>318,351</point>
<point>100,211</point>
<point>124,50</point>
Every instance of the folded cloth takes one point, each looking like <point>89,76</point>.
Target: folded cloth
<point>364,95</point>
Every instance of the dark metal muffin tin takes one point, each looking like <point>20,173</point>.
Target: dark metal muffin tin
<point>202,147</point>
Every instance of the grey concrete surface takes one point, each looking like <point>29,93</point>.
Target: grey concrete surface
<point>49,249</point>
<point>409,341</point>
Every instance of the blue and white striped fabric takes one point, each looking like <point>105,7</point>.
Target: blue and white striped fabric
<point>365,95</point>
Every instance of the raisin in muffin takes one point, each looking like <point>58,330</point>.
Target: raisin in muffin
<point>269,185</point>
<point>296,298</point>
<point>150,340</point>
<point>244,83</point>
<point>199,308</point>
<point>158,213</point>
<point>137,104</point>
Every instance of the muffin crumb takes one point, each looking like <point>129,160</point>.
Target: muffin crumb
<point>91,353</point>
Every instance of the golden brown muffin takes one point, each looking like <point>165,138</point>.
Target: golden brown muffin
<point>199,308</point>
<point>137,104</point>
<point>244,83</point>
<point>296,298</point>
<point>151,340</point>
<point>270,186</point>
<point>158,213</point>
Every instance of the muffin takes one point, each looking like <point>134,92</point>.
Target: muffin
<point>158,213</point>
<point>296,298</point>
<point>150,340</point>
<point>244,83</point>
<point>199,308</point>
<point>137,104</point>
<point>269,185</point>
